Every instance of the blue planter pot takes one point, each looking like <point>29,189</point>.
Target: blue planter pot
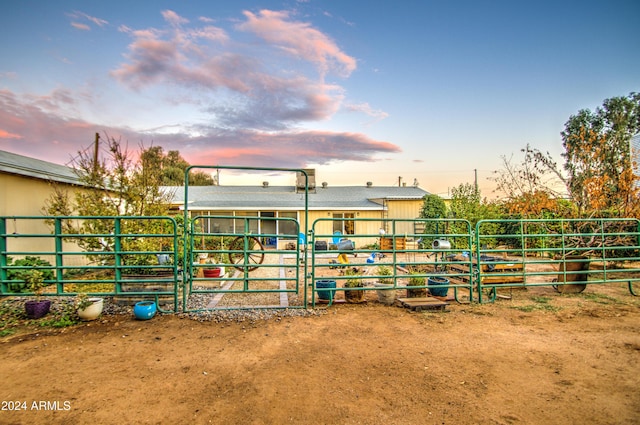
<point>144,310</point>
<point>325,295</point>
<point>438,286</point>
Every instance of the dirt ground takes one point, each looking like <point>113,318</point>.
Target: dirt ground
<point>539,358</point>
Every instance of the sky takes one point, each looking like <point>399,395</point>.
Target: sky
<point>434,92</point>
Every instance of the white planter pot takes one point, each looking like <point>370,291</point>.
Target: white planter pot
<point>386,297</point>
<point>93,311</point>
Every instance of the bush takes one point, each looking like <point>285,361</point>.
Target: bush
<point>26,266</point>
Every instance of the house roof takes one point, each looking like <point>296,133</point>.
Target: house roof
<point>30,167</point>
<point>365,197</point>
<point>286,197</point>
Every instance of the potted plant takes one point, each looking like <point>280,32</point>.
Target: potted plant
<point>211,269</point>
<point>386,293</point>
<point>415,280</point>
<point>211,259</point>
<point>88,308</point>
<point>37,308</point>
<point>353,296</point>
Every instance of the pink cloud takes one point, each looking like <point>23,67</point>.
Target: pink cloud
<point>299,40</point>
<point>6,135</point>
<point>46,132</point>
<point>81,16</point>
<point>256,96</point>
<point>367,109</point>
<point>79,26</point>
<point>286,149</point>
<point>265,97</point>
<point>173,18</point>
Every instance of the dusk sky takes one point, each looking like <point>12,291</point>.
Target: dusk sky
<point>360,90</point>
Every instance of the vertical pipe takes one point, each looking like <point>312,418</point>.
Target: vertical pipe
<point>59,256</point>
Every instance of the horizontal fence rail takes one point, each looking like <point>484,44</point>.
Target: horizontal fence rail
<point>245,262</point>
<point>129,258</point>
<point>390,255</point>
<point>262,262</point>
<point>565,254</point>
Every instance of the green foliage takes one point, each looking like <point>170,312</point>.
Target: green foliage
<point>7,331</point>
<point>599,298</point>
<point>173,166</point>
<point>467,204</point>
<point>539,303</point>
<point>82,301</point>
<point>383,271</point>
<point>352,280</point>
<point>23,275</point>
<point>415,280</point>
<point>35,281</point>
<point>433,207</point>
<point>62,321</point>
<point>13,318</point>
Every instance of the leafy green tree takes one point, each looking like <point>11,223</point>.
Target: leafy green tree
<point>598,157</point>
<point>199,178</point>
<point>467,203</point>
<point>433,207</point>
<point>171,167</point>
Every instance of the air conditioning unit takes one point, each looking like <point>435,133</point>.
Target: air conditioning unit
<point>311,180</point>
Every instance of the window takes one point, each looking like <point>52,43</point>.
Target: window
<point>287,227</point>
<point>214,224</point>
<point>241,222</point>
<point>343,223</point>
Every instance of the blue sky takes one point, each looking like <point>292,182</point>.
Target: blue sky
<point>361,91</point>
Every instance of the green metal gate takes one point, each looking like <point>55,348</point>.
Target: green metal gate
<point>567,254</point>
<point>221,262</point>
<point>228,264</point>
<point>233,270</point>
<point>408,254</point>
<point>129,258</point>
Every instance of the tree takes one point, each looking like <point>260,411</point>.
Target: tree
<point>532,188</point>
<point>537,172</point>
<point>433,207</point>
<point>173,168</point>
<point>467,203</point>
<point>598,157</point>
<point>117,185</point>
